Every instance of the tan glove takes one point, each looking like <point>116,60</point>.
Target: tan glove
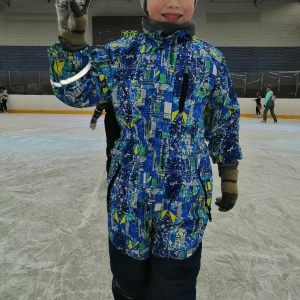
<point>72,22</point>
<point>229,188</point>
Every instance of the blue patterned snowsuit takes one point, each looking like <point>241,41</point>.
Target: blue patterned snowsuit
<point>170,95</point>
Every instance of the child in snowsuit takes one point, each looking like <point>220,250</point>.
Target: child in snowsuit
<point>112,128</point>
<point>171,93</point>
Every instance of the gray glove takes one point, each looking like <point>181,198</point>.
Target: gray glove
<point>229,188</point>
<point>72,22</point>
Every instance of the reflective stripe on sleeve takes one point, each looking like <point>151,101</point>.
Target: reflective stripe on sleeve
<point>55,84</point>
<point>72,79</point>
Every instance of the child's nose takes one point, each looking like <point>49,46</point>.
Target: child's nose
<point>173,3</point>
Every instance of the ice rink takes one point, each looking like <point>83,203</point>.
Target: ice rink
<point>53,233</point>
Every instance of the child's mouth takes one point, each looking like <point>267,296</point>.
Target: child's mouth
<point>172,17</point>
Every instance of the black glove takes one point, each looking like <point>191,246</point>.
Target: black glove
<point>72,22</point>
<point>229,188</point>
<point>93,125</point>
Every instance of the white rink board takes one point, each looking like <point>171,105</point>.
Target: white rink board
<point>50,104</point>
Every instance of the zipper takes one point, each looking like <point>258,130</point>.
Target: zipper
<point>111,184</point>
<point>184,89</point>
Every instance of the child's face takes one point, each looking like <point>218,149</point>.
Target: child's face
<point>171,11</point>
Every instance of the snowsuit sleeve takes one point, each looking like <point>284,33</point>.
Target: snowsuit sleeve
<point>222,116</point>
<point>82,78</point>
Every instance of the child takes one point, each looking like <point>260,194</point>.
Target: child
<point>112,128</point>
<point>258,105</point>
<point>171,93</point>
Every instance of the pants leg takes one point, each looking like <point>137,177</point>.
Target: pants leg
<point>265,112</point>
<point>4,105</point>
<point>112,131</point>
<point>131,277</point>
<point>154,279</point>
<point>1,107</point>
<point>109,149</point>
<point>257,111</point>
<point>175,279</point>
<point>273,113</point>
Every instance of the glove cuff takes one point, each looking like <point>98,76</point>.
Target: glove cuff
<point>74,38</point>
<point>229,183</point>
<point>94,120</point>
<point>66,46</point>
<point>230,176</point>
<point>225,167</point>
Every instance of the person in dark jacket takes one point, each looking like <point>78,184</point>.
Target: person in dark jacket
<point>258,106</point>
<point>112,128</point>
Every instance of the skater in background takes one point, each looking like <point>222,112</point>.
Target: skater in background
<point>269,104</point>
<point>112,128</point>
<point>258,106</point>
<point>3,99</point>
<point>174,101</point>
<point>1,105</point>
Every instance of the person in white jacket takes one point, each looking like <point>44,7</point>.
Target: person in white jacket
<point>1,106</point>
<point>3,99</point>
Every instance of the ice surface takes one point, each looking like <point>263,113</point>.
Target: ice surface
<point>53,236</point>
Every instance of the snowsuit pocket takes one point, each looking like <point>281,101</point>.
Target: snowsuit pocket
<point>111,183</point>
